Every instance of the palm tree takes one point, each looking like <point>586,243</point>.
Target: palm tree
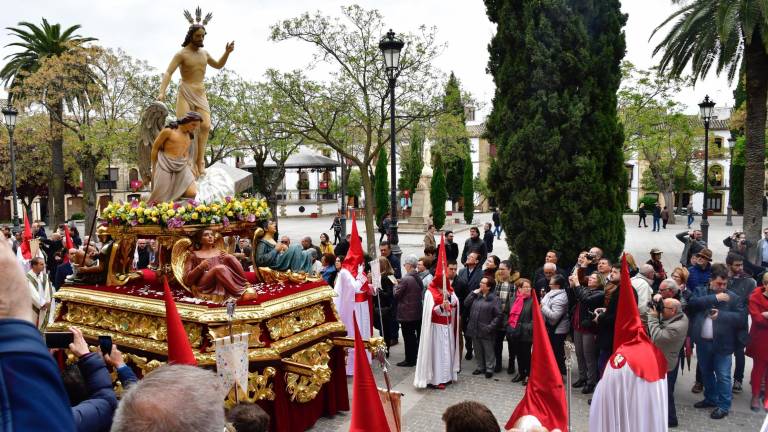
<point>36,43</point>
<point>725,33</point>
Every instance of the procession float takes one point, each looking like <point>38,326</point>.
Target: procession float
<point>281,315</point>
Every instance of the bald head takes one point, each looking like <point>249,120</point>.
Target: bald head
<point>647,270</point>
<point>672,307</point>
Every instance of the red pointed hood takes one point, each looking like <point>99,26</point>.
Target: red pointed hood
<point>545,394</point>
<point>68,243</point>
<point>367,411</point>
<point>355,256</point>
<point>26,249</point>
<point>442,265</point>
<point>631,344</point>
<point>179,349</point>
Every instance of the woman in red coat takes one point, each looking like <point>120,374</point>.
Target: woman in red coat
<point>758,341</point>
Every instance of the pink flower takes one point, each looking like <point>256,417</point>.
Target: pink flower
<point>228,199</point>
<point>134,203</point>
<point>251,218</point>
<point>225,221</point>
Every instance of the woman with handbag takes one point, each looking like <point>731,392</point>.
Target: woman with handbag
<point>520,329</point>
<point>588,298</point>
<point>554,307</point>
<point>382,306</point>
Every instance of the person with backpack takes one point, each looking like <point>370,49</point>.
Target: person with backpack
<point>555,308</point>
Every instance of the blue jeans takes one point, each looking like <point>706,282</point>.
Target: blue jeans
<point>716,373</point>
<point>497,231</point>
<point>690,219</point>
<point>656,223</point>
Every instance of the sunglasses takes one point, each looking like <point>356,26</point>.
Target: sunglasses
<point>283,242</point>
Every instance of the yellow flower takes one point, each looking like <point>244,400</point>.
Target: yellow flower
<point>170,213</point>
<point>181,210</point>
<point>141,220</point>
<point>139,211</point>
<point>200,208</point>
<point>230,214</point>
<point>195,215</point>
<point>154,219</point>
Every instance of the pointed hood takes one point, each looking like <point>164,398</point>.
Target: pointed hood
<point>367,411</point>
<point>179,349</point>
<point>26,249</point>
<point>68,243</point>
<point>631,343</point>
<point>355,257</point>
<point>545,394</point>
<point>442,265</point>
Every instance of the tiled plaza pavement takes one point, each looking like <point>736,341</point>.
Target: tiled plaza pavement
<point>422,409</point>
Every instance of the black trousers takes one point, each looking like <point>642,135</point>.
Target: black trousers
<point>498,347</point>
<point>467,339</point>
<point>558,347</point>
<point>522,352</point>
<point>336,236</point>
<point>411,333</point>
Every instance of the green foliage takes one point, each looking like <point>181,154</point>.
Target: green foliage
<point>77,216</point>
<point>354,183</point>
<point>451,138</point>
<point>559,159</point>
<point>437,193</point>
<point>381,185</point>
<point>412,159</point>
<point>468,193</point>
<point>649,201</point>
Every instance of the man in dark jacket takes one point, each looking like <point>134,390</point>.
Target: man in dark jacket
<point>488,237</point>
<point>656,217</point>
<point>474,244</point>
<point>484,318</point>
<point>700,269</point>
<point>718,317</point>
<point>496,217</point>
<point>409,295</point>
<point>51,247</point>
<point>32,396</point>
<point>62,270</point>
<point>659,274</point>
<point>342,248</point>
<point>693,244</point>
<point>386,251</point>
<point>743,285</point>
<point>467,281</point>
<point>94,413</point>
<point>451,248</point>
<point>606,321</point>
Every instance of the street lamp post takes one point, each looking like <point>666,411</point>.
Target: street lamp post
<point>705,108</point>
<point>390,47</point>
<point>9,114</point>
<point>729,215</point>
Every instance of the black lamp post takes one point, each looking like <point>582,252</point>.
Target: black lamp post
<point>705,108</point>
<point>729,215</point>
<point>9,114</point>
<point>391,46</point>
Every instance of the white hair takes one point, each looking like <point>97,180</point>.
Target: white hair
<point>671,284</point>
<point>411,260</point>
<point>550,266</point>
<point>647,270</point>
<point>173,398</point>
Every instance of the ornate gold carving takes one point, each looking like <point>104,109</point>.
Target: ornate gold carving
<point>294,322</point>
<point>304,388</point>
<point>374,344</point>
<point>254,331</point>
<point>179,255</point>
<point>259,388</point>
<point>151,327</point>
<point>142,363</point>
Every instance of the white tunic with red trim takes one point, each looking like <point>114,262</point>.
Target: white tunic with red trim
<point>353,295</point>
<point>438,361</point>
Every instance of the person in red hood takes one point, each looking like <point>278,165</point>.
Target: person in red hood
<point>757,348</point>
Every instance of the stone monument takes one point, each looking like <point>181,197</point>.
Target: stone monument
<point>421,213</point>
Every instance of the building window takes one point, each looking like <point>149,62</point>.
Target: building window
<point>715,203</point>
<point>469,113</point>
<point>716,175</point>
<point>719,142</point>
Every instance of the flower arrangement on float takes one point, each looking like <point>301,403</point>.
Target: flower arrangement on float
<point>177,214</point>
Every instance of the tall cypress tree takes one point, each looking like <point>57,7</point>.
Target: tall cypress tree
<point>381,185</point>
<point>412,161</point>
<point>437,193</point>
<point>455,152</point>
<point>559,172</point>
<point>468,192</point>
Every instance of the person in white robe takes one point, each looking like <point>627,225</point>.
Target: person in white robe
<point>41,291</point>
<point>439,360</point>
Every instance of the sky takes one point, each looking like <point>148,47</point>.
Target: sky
<point>153,31</point>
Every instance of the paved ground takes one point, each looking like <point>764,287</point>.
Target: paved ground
<point>422,409</point>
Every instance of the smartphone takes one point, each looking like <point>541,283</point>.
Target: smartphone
<point>712,312</point>
<point>59,339</point>
<point>105,343</point>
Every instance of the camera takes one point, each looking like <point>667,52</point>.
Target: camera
<point>590,256</point>
<point>658,306</point>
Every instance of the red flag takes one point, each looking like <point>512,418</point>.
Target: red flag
<point>545,394</point>
<point>26,249</point>
<point>179,350</point>
<point>355,255</point>
<point>630,342</point>
<point>367,412</point>
<point>68,244</point>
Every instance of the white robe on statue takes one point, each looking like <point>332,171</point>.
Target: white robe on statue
<point>347,287</point>
<point>624,402</point>
<point>438,360</point>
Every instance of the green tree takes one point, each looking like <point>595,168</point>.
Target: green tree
<point>354,183</point>
<point>468,192</point>
<point>451,138</point>
<point>350,111</point>
<point>36,43</point>
<point>412,157</point>
<point>437,193</point>
<point>554,123</point>
<point>381,186</point>
<point>737,176</point>
<point>725,33</point>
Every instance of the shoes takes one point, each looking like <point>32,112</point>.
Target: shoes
<point>468,356</point>
<point>517,378</point>
<point>497,369</point>
<point>704,404</point>
<point>477,372</point>
<point>393,342</point>
<point>524,382</point>
<point>589,401</point>
<point>405,363</point>
<point>755,405</point>
<point>589,388</point>
<point>672,423</point>
<point>489,374</point>
<point>718,413</point>
<point>697,387</point>
<point>736,387</point>
<point>580,383</point>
